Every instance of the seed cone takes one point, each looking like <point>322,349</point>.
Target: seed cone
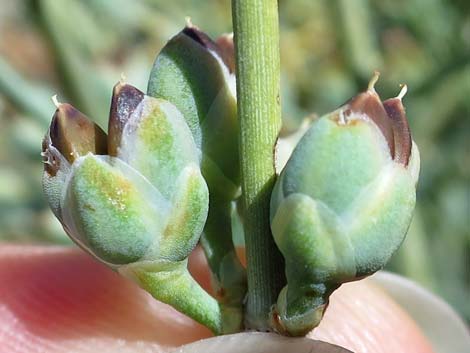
<point>342,205</point>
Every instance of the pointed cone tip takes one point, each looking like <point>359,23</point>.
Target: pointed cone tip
<point>124,102</point>
<point>124,87</point>
<point>123,78</point>
<point>222,47</point>
<point>55,101</point>
<point>199,37</point>
<point>403,91</point>
<point>373,81</point>
<point>189,22</point>
<point>74,134</point>
<point>370,104</point>
<point>401,130</point>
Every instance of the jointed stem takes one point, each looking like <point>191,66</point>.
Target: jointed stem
<point>171,283</point>
<point>256,29</point>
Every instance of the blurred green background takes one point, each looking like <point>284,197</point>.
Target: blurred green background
<point>78,49</point>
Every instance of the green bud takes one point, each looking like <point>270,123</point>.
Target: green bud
<point>136,199</point>
<point>146,202</point>
<point>342,204</point>
<point>196,75</point>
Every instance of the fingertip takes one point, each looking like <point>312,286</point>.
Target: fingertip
<point>57,299</point>
<point>199,268</point>
<point>363,318</point>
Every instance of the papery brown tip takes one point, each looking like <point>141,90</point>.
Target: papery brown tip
<point>223,46</point>
<point>200,37</point>
<point>125,100</point>
<point>401,130</point>
<point>375,77</point>
<point>369,104</point>
<point>74,135</point>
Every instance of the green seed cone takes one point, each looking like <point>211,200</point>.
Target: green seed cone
<point>149,203</point>
<point>195,74</point>
<point>342,205</point>
<point>140,209</point>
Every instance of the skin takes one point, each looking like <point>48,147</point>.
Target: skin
<point>56,299</point>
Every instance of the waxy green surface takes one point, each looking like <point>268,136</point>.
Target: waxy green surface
<point>148,203</point>
<point>339,210</point>
<point>142,210</point>
<point>190,72</point>
<point>157,142</point>
<point>112,217</point>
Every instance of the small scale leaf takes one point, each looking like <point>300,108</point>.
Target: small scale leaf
<point>401,129</point>
<point>112,212</point>
<point>125,100</point>
<point>158,143</point>
<point>187,216</point>
<point>74,134</point>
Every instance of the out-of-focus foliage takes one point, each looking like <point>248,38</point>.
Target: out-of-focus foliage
<point>78,49</point>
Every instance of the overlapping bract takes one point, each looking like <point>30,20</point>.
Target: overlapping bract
<point>342,204</point>
<point>196,74</point>
<point>134,195</point>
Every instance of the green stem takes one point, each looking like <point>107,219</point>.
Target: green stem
<point>256,28</point>
<point>171,283</point>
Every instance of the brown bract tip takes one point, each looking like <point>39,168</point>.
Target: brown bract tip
<point>373,81</point>
<point>369,104</point>
<point>223,46</point>
<point>199,36</point>
<point>401,129</point>
<point>389,116</point>
<point>74,135</point>
<point>125,100</point>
